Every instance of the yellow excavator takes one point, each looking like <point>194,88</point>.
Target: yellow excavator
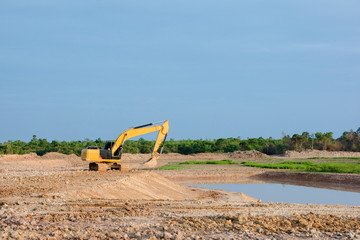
<point>110,155</point>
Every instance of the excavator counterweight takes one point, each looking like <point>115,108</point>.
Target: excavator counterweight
<point>110,155</point>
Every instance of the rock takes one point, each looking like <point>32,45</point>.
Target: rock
<point>351,234</point>
<point>159,234</point>
<point>228,223</point>
<point>112,235</point>
<point>179,235</point>
<point>167,235</point>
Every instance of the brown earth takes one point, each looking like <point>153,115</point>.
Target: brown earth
<point>318,153</point>
<point>55,197</point>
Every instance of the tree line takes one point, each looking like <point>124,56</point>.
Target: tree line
<point>349,141</point>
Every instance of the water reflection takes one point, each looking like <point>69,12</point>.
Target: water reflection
<point>290,193</point>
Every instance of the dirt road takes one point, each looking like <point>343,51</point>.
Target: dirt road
<point>55,197</point>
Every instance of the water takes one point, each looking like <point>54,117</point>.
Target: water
<point>290,193</point>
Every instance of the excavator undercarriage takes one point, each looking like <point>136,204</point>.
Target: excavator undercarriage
<point>106,166</point>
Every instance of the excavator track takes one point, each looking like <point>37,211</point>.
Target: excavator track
<point>103,167</point>
<point>120,167</point>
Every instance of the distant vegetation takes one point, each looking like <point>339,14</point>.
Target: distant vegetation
<point>349,141</point>
<point>309,166</point>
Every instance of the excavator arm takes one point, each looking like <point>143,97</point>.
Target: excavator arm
<point>141,130</point>
<point>161,138</point>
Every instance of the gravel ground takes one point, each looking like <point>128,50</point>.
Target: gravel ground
<point>57,198</point>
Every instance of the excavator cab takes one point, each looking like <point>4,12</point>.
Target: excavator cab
<point>108,145</point>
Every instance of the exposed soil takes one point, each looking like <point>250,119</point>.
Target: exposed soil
<point>247,155</point>
<point>55,197</point>
<point>318,153</point>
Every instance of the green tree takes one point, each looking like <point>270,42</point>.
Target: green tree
<point>296,140</point>
<point>324,138</point>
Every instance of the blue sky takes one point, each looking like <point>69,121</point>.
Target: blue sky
<point>71,70</point>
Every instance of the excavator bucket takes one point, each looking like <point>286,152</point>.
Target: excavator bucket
<point>152,162</point>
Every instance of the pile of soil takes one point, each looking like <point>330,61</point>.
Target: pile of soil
<point>16,157</point>
<point>253,154</point>
<point>319,153</point>
<point>148,186</point>
<point>55,155</point>
<point>32,156</point>
<point>32,162</point>
<point>143,185</point>
<point>175,157</point>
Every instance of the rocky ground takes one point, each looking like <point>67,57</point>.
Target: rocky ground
<point>55,197</point>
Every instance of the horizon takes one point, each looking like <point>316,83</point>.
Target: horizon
<point>145,137</point>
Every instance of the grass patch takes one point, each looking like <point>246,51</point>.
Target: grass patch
<point>310,167</point>
<point>356,158</point>
<point>171,166</point>
<point>177,166</point>
<point>226,161</point>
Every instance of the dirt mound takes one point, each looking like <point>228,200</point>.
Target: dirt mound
<point>32,162</point>
<point>318,153</point>
<point>253,154</point>
<point>16,157</point>
<point>135,157</point>
<point>135,160</point>
<point>33,156</point>
<point>144,185</point>
<point>141,157</point>
<point>149,186</point>
<point>55,155</point>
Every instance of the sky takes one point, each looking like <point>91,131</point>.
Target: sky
<point>71,70</point>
